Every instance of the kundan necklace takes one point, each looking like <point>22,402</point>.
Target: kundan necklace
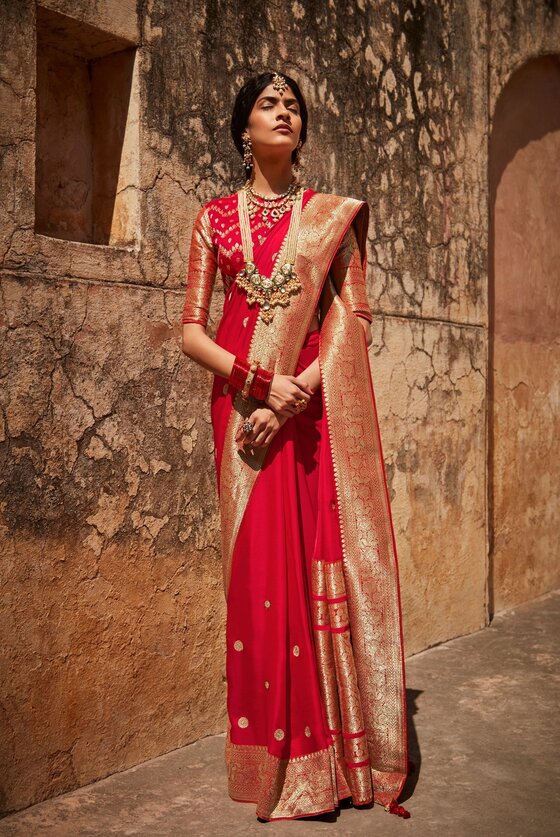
<point>271,209</point>
<point>269,291</point>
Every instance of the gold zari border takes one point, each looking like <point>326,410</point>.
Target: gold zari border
<point>285,788</point>
<point>371,674</point>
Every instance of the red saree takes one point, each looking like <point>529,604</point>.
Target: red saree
<point>315,669</point>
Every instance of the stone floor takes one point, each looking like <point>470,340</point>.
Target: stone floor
<point>483,727</point>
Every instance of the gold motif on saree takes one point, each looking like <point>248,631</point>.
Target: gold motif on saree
<point>373,656</point>
<point>243,723</point>
<point>238,645</point>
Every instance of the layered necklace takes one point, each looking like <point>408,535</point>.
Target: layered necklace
<point>274,290</point>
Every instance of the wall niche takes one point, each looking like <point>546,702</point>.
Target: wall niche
<point>87,133</point>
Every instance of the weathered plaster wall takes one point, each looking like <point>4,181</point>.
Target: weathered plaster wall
<point>113,617</point>
<point>524,411</point>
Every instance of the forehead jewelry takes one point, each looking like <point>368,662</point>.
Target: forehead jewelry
<point>279,83</point>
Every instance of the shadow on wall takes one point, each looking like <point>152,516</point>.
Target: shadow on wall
<point>524,336</point>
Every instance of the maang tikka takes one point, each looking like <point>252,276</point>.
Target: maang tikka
<point>279,83</point>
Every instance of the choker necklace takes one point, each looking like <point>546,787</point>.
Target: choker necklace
<point>269,291</point>
<point>272,209</point>
<point>272,198</point>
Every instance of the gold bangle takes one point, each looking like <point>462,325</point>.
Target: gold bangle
<point>249,380</point>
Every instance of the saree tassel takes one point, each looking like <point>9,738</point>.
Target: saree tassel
<point>395,808</point>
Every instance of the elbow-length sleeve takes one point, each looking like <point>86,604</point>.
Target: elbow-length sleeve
<point>201,273</point>
<point>349,275</point>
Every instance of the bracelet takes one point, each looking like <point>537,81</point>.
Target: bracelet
<point>245,392</point>
<point>239,372</point>
<point>262,381</point>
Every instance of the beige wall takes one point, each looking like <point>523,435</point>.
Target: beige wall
<point>112,615</point>
<point>525,334</point>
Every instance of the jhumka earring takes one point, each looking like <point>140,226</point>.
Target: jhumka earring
<point>247,152</point>
<point>298,162</point>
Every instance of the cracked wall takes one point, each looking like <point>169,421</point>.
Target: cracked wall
<point>113,617</point>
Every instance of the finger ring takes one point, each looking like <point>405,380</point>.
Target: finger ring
<point>247,426</point>
<point>300,404</point>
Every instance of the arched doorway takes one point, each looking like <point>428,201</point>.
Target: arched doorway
<point>524,336</point>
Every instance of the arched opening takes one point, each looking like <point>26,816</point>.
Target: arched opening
<point>524,336</point>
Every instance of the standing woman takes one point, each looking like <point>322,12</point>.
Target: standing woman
<point>315,670</point>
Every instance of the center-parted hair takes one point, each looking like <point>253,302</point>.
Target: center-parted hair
<point>245,101</point>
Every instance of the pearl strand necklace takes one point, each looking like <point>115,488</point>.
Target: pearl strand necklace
<point>276,289</point>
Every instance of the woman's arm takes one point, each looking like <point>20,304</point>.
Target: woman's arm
<point>284,389</point>
<point>201,275</point>
<point>201,348</point>
<point>197,344</point>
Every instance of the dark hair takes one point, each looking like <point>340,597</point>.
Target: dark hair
<point>246,99</point>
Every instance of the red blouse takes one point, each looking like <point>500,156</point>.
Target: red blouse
<point>216,245</point>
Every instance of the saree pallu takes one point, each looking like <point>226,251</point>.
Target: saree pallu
<point>314,651</point>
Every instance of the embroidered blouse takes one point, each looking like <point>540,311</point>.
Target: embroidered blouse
<point>216,245</point>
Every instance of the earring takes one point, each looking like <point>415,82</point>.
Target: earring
<point>298,162</point>
<point>247,152</point>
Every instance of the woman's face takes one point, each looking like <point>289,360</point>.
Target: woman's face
<point>274,123</point>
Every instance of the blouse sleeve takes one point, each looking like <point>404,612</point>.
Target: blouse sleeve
<point>201,272</point>
<point>348,275</point>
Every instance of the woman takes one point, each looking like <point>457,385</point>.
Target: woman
<point>315,673</point>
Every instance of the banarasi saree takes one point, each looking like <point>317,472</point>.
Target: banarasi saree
<point>314,651</point>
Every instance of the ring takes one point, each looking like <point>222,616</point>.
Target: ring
<point>300,404</point>
<point>247,426</point>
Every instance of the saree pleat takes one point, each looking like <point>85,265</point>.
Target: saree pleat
<point>314,654</point>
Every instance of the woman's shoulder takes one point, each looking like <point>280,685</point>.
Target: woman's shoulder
<point>214,212</point>
<point>220,205</point>
<point>331,197</point>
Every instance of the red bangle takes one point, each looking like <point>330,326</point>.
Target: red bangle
<point>260,386</point>
<point>239,372</point>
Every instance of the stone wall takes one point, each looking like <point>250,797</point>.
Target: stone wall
<point>112,612</point>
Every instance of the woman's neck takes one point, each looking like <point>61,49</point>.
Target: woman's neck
<point>272,177</point>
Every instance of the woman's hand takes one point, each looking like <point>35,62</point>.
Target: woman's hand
<point>284,390</point>
<point>266,424</point>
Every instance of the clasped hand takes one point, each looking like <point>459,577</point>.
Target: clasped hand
<point>267,421</point>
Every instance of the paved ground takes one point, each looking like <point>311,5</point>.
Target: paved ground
<point>483,731</point>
